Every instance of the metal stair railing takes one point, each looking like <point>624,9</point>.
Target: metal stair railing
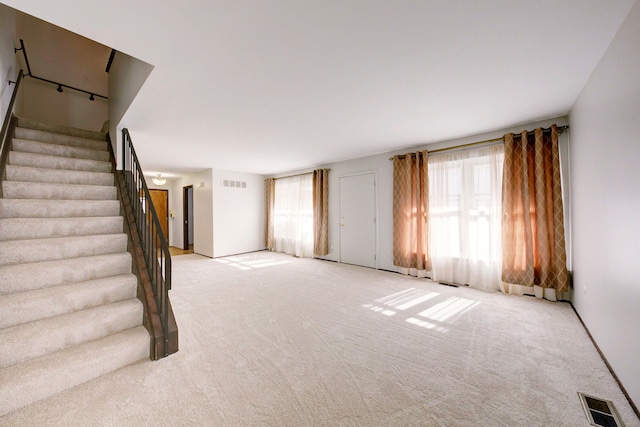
<point>7,126</point>
<point>154,244</point>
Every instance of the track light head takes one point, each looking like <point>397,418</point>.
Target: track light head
<point>59,88</point>
<point>91,98</point>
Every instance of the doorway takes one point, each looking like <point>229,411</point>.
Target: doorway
<point>358,230</point>
<point>160,200</point>
<point>187,210</point>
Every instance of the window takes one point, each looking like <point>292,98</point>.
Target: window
<point>293,215</point>
<point>465,191</point>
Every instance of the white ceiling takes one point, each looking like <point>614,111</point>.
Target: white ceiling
<point>272,86</point>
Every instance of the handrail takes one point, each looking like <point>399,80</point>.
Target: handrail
<point>4,139</point>
<point>60,85</point>
<point>154,243</point>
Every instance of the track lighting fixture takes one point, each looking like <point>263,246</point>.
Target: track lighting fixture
<point>92,96</point>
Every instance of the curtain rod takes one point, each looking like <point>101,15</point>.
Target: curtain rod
<point>486,141</point>
<point>298,174</point>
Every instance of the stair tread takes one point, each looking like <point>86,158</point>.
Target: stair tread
<point>42,228</point>
<point>37,304</point>
<point>27,382</point>
<point>38,338</point>
<point>57,208</point>
<point>49,249</point>
<point>26,123</point>
<point>24,145</point>
<point>50,161</point>
<point>56,191</point>
<point>59,139</point>
<point>44,274</point>
<point>57,184</point>
<point>18,173</point>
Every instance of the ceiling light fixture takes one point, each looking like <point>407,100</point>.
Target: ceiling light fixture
<point>59,88</point>
<point>91,98</point>
<point>159,179</point>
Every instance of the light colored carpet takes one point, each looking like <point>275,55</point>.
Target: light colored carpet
<point>271,340</point>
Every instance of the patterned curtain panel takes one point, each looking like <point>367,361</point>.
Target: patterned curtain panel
<point>270,198</point>
<point>410,211</point>
<point>320,212</point>
<point>533,245</point>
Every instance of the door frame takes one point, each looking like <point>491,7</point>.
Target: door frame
<point>185,215</point>
<point>375,212</point>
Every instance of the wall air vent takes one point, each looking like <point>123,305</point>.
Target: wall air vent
<point>600,412</point>
<point>234,184</point>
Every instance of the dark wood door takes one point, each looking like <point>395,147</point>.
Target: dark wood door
<point>187,210</point>
<point>160,199</point>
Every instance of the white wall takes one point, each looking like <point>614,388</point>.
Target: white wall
<point>8,65</point>
<point>226,220</point>
<point>65,57</point>
<point>383,168</point>
<point>238,213</point>
<point>126,77</point>
<point>175,203</point>
<point>605,174</point>
<point>202,212</point>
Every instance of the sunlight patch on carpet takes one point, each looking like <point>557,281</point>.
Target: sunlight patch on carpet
<point>426,325</point>
<point>245,264</point>
<point>379,309</point>
<point>437,315</point>
<point>407,298</point>
<point>449,310</point>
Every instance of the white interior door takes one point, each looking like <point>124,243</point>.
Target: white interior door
<point>358,220</point>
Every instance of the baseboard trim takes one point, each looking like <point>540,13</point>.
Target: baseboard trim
<point>606,362</point>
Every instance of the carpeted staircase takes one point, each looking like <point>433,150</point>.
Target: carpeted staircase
<point>68,306</point>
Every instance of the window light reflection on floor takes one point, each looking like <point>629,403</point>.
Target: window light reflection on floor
<point>449,310</point>
<point>439,314</point>
<point>407,299</point>
<point>249,264</point>
<point>426,325</point>
<point>379,309</point>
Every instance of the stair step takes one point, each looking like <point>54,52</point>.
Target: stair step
<point>45,228</point>
<point>25,146</point>
<point>57,176</point>
<point>28,251</point>
<point>44,274</point>
<point>63,130</point>
<point>28,382</point>
<point>38,304</point>
<point>35,339</point>
<point>18,158</point>
<point>33,190</point>
<point>38,208</point>
<point>59,139</point>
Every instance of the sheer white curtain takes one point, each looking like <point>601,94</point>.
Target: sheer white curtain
<point>465,190</point>
<point>293,215</point>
